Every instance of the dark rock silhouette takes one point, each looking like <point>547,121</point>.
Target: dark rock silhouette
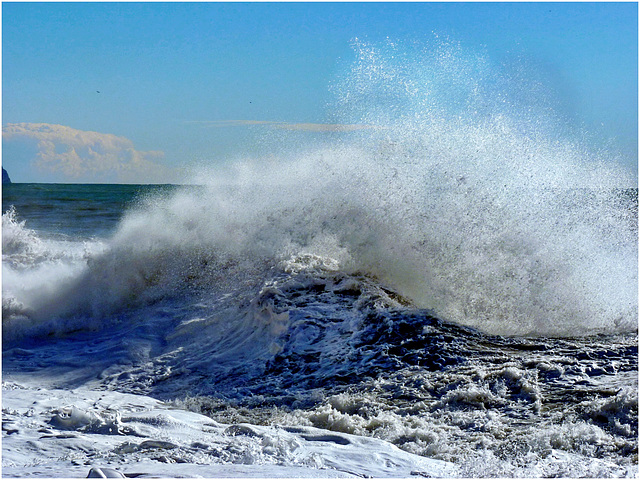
<point>5,176</point>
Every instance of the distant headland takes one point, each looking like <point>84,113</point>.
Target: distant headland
<point>5,176</point>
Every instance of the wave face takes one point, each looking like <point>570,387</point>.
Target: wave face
<point>458,271</point>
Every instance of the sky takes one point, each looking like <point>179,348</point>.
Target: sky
<point>142,92</point>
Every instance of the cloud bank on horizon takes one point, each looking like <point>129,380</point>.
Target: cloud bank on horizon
<point>74,155</point>
<point>79,155</point>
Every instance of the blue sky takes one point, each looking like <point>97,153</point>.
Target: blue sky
<point>102,91</point>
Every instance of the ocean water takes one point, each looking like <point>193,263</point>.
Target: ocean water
<point>457,282</point>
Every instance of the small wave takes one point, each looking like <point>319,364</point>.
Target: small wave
<point>19,242</point>
<point>35,271</point>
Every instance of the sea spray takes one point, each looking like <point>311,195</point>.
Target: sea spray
<point>466,194</point>
<point>284,290</point>
<point>458,195</point>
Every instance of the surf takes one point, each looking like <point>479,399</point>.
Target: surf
<point>458,198</point>
<point>459,279</point>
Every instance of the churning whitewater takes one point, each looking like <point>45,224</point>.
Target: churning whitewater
<point>450,291</point>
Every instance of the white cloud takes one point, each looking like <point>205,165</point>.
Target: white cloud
<point>233,123</point>
<point>325,127</point>
<point>88,156</point>
<point>309,127</point>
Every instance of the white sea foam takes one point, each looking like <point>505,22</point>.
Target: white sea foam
<point>49,433</point>
<point>34,269</point>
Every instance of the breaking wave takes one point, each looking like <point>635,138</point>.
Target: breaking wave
<point>458,198</point>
